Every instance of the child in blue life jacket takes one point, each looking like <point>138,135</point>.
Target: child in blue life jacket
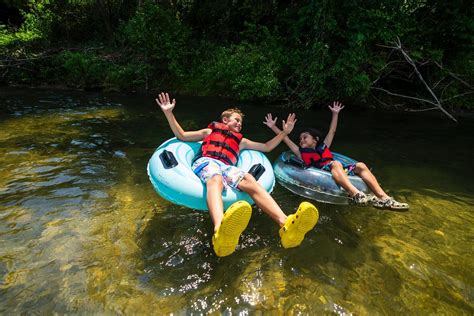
<point>215,166</point>
<point>316,154</point>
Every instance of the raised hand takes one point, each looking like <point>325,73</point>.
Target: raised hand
<point>289,124</point>
<point>336,107</point>
<point>163,101</point>
<point>269,121</point>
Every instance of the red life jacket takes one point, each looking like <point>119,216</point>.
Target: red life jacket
<point>222,144</point>
<point>317,157</point>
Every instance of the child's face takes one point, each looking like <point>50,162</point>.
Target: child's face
<point>233,122</point>
<point>307,140</point>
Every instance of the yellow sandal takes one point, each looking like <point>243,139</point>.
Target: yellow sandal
<point>235,220</point>
<point>298,224</point>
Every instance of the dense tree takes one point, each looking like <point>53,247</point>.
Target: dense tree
<point>298,53</point>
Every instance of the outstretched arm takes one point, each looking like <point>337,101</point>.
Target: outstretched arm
<point>335,109</point>
<point>167,107</point>
<point>270,122</point>
<point>272,143</point>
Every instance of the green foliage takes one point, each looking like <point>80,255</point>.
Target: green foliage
<point>7,37</point>
<point>305,52</point>
<point>241,70</point>
<point>248,70</point>
<point>158,37</point>
<point>38,19</point>
<point>128,77</point>
<point>82,69</point>
<point>89,70</point>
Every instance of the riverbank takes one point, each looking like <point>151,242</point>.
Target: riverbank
<point>297,54</point>
<point>459,113</point>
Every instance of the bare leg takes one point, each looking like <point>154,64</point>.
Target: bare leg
<point>262,198</point>
<point>342,179</point>
<point>363,171</point>
<point>214,200</point>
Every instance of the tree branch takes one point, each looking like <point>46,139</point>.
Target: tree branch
<point>455,76</point>
<point>405,96</point>
<point>409,60</point>
<point>423,110</point>
<point>459,95</point>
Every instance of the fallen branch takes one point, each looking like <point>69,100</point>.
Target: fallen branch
<point>405,96</point>
<point>386,65</point>
<point>49,53</point>
<point>387,105</point>
<point>455,76</point>
<point>437,102</point>
<point>423,110</point>
<point>412,63</point>
<point>459,95</point>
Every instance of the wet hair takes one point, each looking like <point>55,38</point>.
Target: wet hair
<point>317,135</point>
<point>229,112</point>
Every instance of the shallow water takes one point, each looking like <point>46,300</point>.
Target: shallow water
<point>82,230</point>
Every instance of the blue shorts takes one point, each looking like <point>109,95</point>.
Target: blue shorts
<point>349,169</point>
<point>205,168</point>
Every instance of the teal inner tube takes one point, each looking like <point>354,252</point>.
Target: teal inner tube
<point>169,170</point>
<point>313,183</point>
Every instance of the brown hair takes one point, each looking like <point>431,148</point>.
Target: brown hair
<point>229,112</point>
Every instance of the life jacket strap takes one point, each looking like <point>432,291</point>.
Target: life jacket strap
<point>226,146</point>
<point>227,133</point>
<point>218,155</point>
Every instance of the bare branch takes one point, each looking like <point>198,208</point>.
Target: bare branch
<point>444,89</point>
<point>459,95</point>
<point>423,110</point>
<point>386,65</point>
<point>455,76</point>
<point>438,82</point>
<point>437,103</point>
<point>387,105</point>
<point>405,96</point>
<point>411,62</point>
<point>385,46</point>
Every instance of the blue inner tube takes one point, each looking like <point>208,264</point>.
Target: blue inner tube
<point>169,170</point>
<point>314,183</point>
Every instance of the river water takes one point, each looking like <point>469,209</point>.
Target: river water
<point>82,231</point>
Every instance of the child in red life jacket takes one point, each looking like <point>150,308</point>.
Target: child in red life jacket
<point>317,154</point>
<point>215,166</point>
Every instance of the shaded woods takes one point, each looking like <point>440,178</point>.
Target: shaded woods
<point>408,54</point>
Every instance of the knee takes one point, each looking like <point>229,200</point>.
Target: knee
<point>337,170</point>
<point>360,166</point>
<point>215,182</point>
<point>248,183</point>
<point>336,166</point>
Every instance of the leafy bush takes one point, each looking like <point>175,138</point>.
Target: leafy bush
<point>38,20</point>
<point>158,37</point>
<point>128,77</point>
<point>240,70</point>
<point>304,53</point>
<point>7,36</point>
<point>83,69</point>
